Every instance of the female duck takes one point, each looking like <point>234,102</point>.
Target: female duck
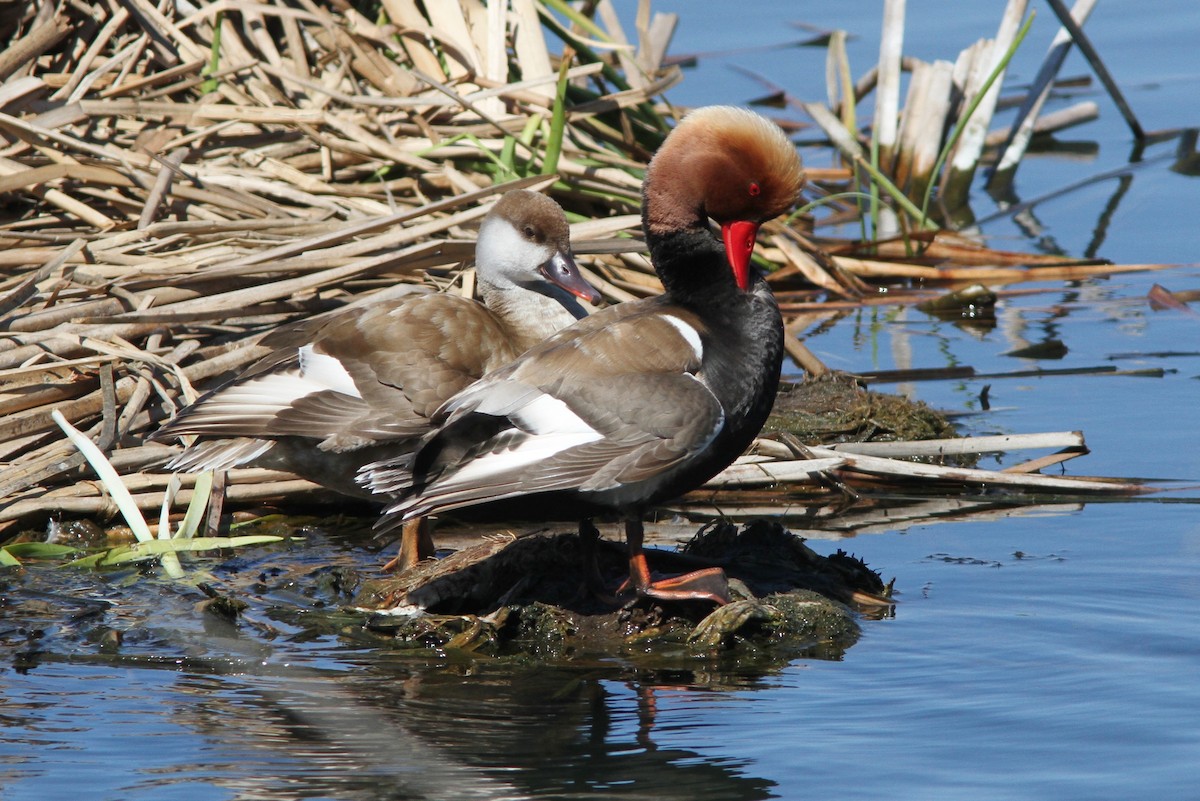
<point>362,385</point>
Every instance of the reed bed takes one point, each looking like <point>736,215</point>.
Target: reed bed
<point>179,179</point>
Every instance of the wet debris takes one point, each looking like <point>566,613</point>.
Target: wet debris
<point>528,596</point>
<point>835,408</point>
<point>520,599</point>
<point>1050,349</point>
<point>222,607</point>
<point>975,302</point>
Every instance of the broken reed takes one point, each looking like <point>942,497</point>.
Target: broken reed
<point>921,158</point>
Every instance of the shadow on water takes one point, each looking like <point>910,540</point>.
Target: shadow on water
<point>385,733</point>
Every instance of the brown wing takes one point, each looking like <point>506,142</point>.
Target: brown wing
<point>369,374</point>
<point>406,361</point>
<point>609,405</point>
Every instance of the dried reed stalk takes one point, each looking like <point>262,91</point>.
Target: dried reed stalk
<point>965,158</point>
<point>181,179</point>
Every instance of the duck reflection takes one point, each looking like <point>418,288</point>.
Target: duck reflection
<point>454,732</point>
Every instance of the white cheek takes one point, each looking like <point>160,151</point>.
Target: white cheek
<point>502,251</point>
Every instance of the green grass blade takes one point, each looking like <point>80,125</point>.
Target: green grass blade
<point>873,194</point>
<point>214,58</point>
<point>170,561</point>
<point>108,477</point>
<point>148,550</point>
<point>826,200</point>
<point>558,122</point>
<point>89,561</point>
<point>584,22</point>
<point>40,550</point>
<point>164,514</point>
<point>894,193</point>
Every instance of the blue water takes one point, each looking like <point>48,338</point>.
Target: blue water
<point>1068,673</point>
<point>1051,653</point>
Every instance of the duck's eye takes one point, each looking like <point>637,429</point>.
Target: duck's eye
<point>755,189</point>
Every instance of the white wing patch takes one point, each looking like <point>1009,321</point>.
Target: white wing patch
<point>262,396</point>
<point>547,415</point>
<point>220,454</point>
<point>689,334</point>
<point>529,451</point>
<point>325,372</point>
<point>547,426</point>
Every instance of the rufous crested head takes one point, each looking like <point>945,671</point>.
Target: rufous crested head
<point>725,163</point>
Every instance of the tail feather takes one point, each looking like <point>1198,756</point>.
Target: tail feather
<point>219,454</point>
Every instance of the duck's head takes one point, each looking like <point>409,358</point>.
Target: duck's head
<point>727,164</point>
<point>524,241</point>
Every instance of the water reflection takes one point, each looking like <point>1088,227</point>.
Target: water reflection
<point>1187,157</point>
<point>390,728</point>
<point>294,699</point>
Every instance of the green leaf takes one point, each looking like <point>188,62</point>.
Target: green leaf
<point>558,122</point>
<point>88,561</point>
<point>201,494</point>
<point>146,550</point>
<point>214,58</point>
<point>40,550</point>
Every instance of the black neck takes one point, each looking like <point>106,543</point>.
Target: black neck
<point>692,265</point>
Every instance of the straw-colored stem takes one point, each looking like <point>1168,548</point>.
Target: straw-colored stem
<point>966,117</point>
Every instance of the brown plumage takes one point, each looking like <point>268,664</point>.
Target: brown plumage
<point>362,384</point>
<point>644,401</point>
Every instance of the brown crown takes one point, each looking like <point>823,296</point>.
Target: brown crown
<point>727,163</point>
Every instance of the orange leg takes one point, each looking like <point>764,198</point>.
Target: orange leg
<point>708,584</point>
<point>416,545</point>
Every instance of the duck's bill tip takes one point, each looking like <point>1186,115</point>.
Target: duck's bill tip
<point>739,237</point>
<point>562,271</point>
